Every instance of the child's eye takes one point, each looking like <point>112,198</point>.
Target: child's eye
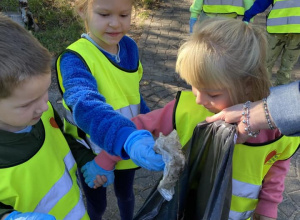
<point>124,16</point>
<point>25,106</point>
<point>104,15</point>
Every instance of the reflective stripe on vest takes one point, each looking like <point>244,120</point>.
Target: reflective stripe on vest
<point>284,17</point>
<point>59,189</point>
<point>224,6</point>
<point>238,216</point>
<point>246,190</point>
<point>49,178</point>
<point>120,89</point>
<point>247,181</point>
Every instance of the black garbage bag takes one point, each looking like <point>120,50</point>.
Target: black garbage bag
<point>204,189</point>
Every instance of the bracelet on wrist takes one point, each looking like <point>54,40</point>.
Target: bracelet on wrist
<point>267,114</point>
<point>246,114</point>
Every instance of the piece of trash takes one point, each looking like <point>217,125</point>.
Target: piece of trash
<point>170,149</point>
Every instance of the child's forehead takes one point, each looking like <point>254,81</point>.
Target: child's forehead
<point>211,90</point>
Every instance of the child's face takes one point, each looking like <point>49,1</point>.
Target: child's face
<point>214,100</point>
<point>108,22</point>
<point>26,104</point>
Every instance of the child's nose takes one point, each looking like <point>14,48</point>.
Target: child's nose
<point>114,22</point>
<point>43,106</point>
<point>201,99</point>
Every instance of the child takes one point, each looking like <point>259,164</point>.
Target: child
<point>224,62</point>
<point>283,27</point>
<point>103,66</point>
<point>202,9</point>
<point>37,168</point>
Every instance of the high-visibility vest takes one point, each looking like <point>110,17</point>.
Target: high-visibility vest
<point>46,183</point>
<point>251,162</point>
<point>284,17</point>
<point>119,87</point>
<point>224,6</point>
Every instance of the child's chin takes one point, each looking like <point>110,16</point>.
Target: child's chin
<point>34,121</point>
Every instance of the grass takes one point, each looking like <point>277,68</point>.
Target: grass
<point>59,27</point>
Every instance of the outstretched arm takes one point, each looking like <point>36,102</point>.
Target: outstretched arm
<point>283,104</point>
<point>106,127</point>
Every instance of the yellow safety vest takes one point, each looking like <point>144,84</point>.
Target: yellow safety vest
<point>46,183</point>
<point>224,6</point>
<point>251,162</point>
<point>284,17</point>
<point>119,87</point>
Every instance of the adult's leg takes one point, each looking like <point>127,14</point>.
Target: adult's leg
<point>95,199</point>
<point>123,186</point>
<point>290,55</point>
<point>276,43</point>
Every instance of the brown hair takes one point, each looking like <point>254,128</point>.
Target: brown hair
<point>226,54</point>
<point>22,56</point>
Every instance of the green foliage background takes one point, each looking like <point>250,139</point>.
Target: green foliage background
<point>58,26</point>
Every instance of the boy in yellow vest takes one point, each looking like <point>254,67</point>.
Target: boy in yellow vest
<point>37,167</point>
<point>202,9</point>
<point>283,27</point>
<point>224,62</point>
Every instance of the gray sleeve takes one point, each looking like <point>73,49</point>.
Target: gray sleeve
<point>284,107</point>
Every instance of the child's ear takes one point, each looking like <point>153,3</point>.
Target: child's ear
<point>81,13</point>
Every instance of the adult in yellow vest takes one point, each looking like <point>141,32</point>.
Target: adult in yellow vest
<point>283,26</point>
<point>202,9</point>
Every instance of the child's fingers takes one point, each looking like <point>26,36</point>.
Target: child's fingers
<point>99,181</point>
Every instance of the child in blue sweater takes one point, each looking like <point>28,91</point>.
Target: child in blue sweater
<point>99,75</point>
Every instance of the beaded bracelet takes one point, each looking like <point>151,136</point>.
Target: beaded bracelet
<point>267,114</point>
<point>246,114</point>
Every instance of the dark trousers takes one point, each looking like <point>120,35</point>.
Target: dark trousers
<point>96,198</point>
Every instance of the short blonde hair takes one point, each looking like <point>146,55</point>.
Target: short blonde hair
<point>226,54</point>
<point>21,56</point>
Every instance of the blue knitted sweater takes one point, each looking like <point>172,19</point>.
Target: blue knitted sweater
<point>106,127</point>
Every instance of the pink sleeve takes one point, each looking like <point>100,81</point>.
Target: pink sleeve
<point>159,120</point>
<point>272,189</point>
<point>106,161</point>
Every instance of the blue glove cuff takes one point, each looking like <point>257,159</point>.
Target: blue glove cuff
<point>12,215</point>
<point>133,137</point>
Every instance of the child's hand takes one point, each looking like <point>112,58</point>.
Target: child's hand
<point>15,215</point>
<point>90,171</point>
<point>139,146</point>
<point>261,217</point>
<point>99,181</point>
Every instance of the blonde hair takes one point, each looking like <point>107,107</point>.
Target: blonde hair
<point>22,56</point>
<point>226,54</point>
<point>82,6</point>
